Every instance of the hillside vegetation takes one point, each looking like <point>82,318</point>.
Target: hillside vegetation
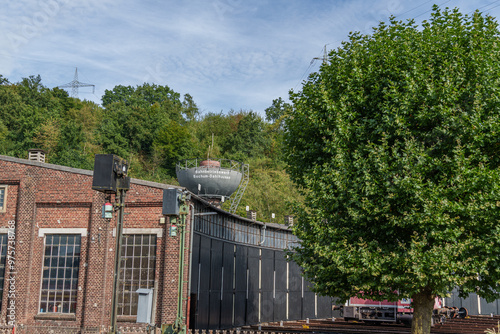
<point>152,127</point>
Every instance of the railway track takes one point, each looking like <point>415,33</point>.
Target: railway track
<point>469,325</point>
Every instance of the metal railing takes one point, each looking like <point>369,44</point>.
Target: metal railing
<point>224,163</point>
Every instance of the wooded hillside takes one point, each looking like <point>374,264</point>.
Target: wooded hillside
<point>151,126</point>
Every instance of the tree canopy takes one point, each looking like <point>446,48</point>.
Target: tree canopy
<point>395,143</point>
<point>152,127</point>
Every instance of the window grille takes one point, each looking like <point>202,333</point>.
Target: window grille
<point>61,265</point>
<point>3,198</point>
<point>138,264</point>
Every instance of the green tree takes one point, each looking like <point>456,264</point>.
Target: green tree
<point>269,191</point>
<point>395,142</point>
<point>247,138</point>
<point>276,115</point>
<point>23,108</point>
<point>171,144</point>
<point>3,80</point>
<point>277,112</point>
<point>148,124</point>
<point>189,108</point>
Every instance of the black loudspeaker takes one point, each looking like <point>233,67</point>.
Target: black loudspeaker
<point>171,201</point>
<point>110,173</point>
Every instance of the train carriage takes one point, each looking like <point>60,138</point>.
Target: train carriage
<point>400,311</point>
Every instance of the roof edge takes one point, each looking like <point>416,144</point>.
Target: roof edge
<point>138,182</point>
<point>81,171</point>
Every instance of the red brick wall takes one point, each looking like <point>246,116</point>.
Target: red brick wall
<point>44,196</point>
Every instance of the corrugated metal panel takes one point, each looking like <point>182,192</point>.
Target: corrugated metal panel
<point>280,265</point>
<point>214,312</point>
<point>205,264</point>
<point>489,308</point>
<point>309,305</point>
<point>227,304</point>
<point>241,262</point>
<point>294,277</point>
<point>252,307</point>
<point>253,285</point>
<point>470,303</point>
<point>453,300</point>
<point>216,266</point>
<point>324,307</point>
<point>240,295</point>
<point>267,306</point>
<point>228,264</point>
<point>240,269</point>
<point>295,306</point>
<point>240,309</point>
<point>203,310</point>
<point>267,264</point>
<point>226,315</point>
<point>215,283</point>
<point>253,269</point>
<point>280,306</point>
<point>281,273</point>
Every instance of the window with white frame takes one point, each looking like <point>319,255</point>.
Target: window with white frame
<point>61,265</point>
<point>138,262</point>
<point>3,198</point>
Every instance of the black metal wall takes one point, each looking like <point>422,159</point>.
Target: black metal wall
<point>473,303</point>
<point>236,284</point>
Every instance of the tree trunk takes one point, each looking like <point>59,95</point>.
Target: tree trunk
<point>423,303</point>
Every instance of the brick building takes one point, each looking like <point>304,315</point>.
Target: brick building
<point>57,252</point>
<point>57,257</point>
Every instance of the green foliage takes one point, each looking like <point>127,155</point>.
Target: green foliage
<point>238,135</point>
<point>147,122</point>
<point>151,127</point>
<point>276,114</point>
<point>171,144</point>
<point>24,109</point>
<point>3,81</point>
<point>395,143</point>
<point>248,139</point>
<point>269,191</point>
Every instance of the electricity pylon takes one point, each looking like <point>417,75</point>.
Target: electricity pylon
<point>75,84</point>
<point>324,58</point>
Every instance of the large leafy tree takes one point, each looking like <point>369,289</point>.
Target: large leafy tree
<point>32,115</point>
<point>396,144</point>
<point>147,123</point>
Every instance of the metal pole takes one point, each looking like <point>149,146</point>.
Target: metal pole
<point>118,253</point>
<point>179,322</point>
<point>190,250</point>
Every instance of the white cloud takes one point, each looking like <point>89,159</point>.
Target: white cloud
<point>225,53</point>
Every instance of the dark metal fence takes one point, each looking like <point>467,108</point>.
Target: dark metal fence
<point>240,274</point>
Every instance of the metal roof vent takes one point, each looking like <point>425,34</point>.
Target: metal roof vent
<point>36,155</point>
<point>252,214</point>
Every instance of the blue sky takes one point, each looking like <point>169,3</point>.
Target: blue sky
<point>228,54</point>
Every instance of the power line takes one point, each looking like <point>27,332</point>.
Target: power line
<point>324,51</point>
<point>472,11</point>
<point>427,11</point>
<point>414,8</point>
<point>308,68</point>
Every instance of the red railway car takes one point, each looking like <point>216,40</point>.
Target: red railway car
<point>368,310</point>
